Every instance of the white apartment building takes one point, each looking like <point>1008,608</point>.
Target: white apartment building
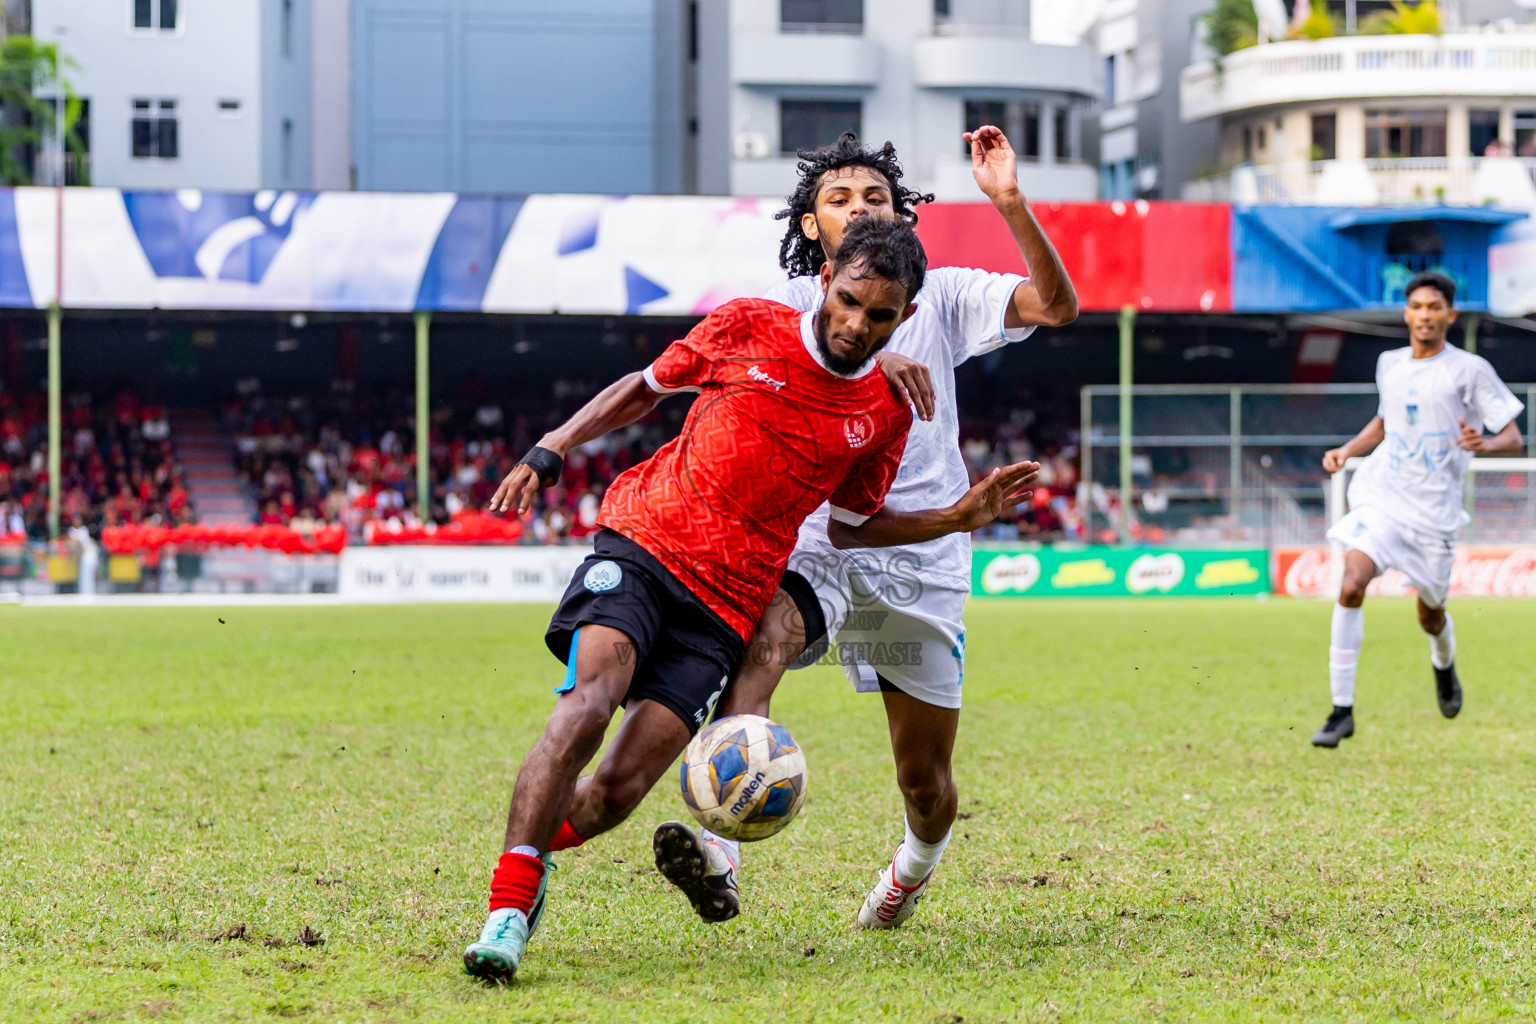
<point>190,93</point>
<point>777,75</point>
<point>1367,119</point>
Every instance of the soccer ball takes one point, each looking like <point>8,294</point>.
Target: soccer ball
<point>744,777</point>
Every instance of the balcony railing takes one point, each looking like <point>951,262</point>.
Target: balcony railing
<point>1453,181</point>
<point>1463,64</point>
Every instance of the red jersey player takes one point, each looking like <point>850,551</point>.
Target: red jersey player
<point>695,541</point>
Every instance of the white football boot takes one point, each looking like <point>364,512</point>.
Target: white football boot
<point>699,868</point>
<point>890,903</point>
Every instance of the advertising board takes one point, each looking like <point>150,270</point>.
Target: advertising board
<point>405,573</point>
<point>1478,572</point>
<point>1118,572</point>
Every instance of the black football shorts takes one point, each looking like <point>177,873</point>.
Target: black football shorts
<point>685,652</point>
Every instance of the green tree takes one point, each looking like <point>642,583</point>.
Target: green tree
<point>1231,25</point>
<point>31,73</point>
<point>1421,19</point>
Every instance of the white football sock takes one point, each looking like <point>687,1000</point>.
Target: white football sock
<point>1442,645</point>
<point>916,859</point>
<point>1344,653</point>
<point>730,847</point>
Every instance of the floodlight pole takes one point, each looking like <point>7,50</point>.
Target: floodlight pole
<point>55,374</point>
<point>55,423</point>
<point>1127,354</point>
<point>423,416</point>
<point>1469,332</point>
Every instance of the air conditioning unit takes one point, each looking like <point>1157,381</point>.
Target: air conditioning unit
<point>752,146</point>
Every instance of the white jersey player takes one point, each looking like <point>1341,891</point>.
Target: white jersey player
<point>1436,403</point>
<point>896,611</point>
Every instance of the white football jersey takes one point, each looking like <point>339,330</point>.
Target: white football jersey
<point>959,315</point>
<point>1415,476</point>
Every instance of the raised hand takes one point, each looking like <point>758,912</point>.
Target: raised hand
<point>996,492</point>
<point>992,162</point>
<point>911,382</point>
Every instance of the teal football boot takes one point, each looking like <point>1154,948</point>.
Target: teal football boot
<point>494,957</point>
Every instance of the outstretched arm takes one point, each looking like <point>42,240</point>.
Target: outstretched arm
<point>1000,489</point>
<point>618,405</point>
<point>1047,298</point>
<point>1374,433</point>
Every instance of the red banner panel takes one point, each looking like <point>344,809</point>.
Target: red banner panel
<point>1477,572</point>
<point>1158,257</point>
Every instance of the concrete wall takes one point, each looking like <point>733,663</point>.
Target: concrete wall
<point>287,75</point>
<point>491,96</point>
<point>331,92</point>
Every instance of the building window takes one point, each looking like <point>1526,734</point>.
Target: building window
<point>1063,131</point>
<point>1247,143</point>
<point>1109,81</point>
<point>1404,133</point>
<point>1525,132</point>
<point>821,16</point>
<point>156,15</point>
<point>1483,132</point>
<point>980,112</point>
<point>693,31</point>
<point>287,28</point>
<point>941,8</point>
<point>1028,131</point>
<point>808,124</point>
<point>1019,121</point>
<point>154,130</point>
<point>229,108</point>
<point>1325,136</point>
<point>287,148</point>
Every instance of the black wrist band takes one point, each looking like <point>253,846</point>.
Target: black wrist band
<point>545,463</point>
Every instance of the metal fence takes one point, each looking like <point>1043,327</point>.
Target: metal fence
<point>1242,464</point>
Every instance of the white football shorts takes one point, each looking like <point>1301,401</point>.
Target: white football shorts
<point>1425,558</point>
<point>889,624</point>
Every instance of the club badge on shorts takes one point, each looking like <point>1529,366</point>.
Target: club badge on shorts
<point>603,577</point>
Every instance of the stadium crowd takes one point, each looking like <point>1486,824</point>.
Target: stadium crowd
<point>348,458</point>
<point>117,465</point>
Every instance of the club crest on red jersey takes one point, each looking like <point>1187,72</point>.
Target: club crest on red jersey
<point>858,430</point>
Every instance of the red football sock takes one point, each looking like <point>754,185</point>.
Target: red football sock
<point>516,882</point>
<point>566,839</point>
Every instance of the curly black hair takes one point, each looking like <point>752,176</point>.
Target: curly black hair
<point>883,248</point>
<point>800,255</point>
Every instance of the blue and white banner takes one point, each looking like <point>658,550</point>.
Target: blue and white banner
<point>609,255</point>
<point>385,252</point>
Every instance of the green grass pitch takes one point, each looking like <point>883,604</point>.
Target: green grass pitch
<point>1146,834</point>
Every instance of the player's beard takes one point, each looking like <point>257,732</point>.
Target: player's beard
<point>839,365</point>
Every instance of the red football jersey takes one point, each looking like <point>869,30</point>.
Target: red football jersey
<point>772,435</point>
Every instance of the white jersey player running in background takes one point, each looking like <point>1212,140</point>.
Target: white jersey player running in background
<point>896,612</point>
<point>1406,506</point>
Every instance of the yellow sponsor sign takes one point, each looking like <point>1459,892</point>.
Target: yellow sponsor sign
<point>1227,573</point>
<point>1090,572</point>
